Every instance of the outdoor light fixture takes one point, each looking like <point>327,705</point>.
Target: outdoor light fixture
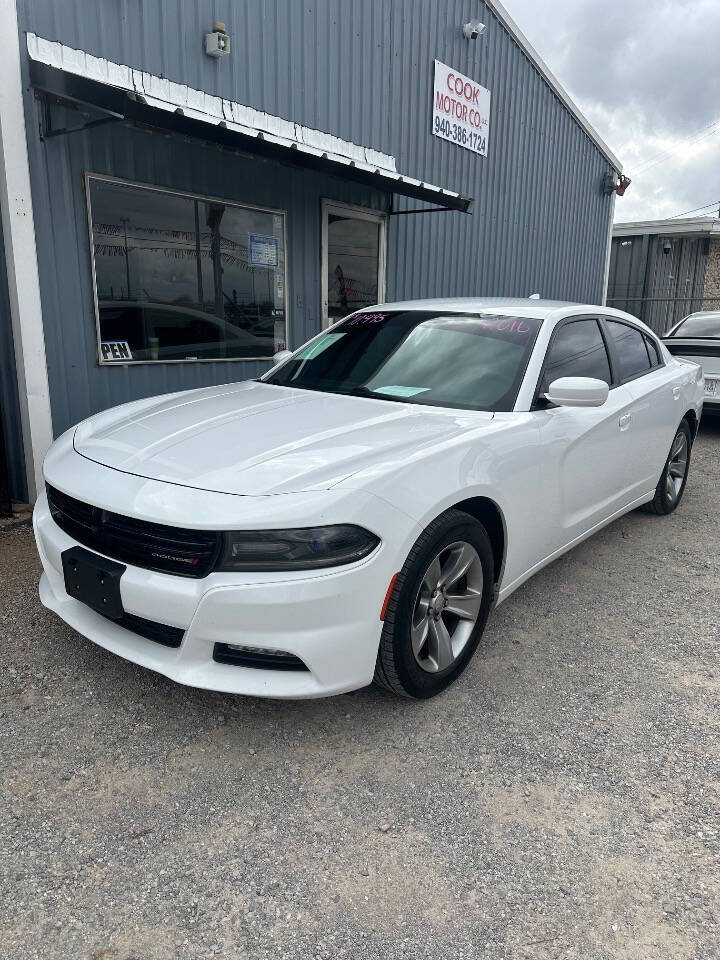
<point>613,184</point>
<point>473,29</point>
<point>217,43</point>
<point>622,185</point>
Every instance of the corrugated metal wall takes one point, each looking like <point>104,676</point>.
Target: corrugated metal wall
<point>362,71</point>
<point>9,406</point>
<point>323,63</point>
<point>658,287</point>
<point>541,219</point>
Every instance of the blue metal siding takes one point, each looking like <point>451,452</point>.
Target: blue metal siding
<point>323,63</point>
<point>9,406</point>
<point>362,71</point>
<point>78,386</point>
<point>541,218</point>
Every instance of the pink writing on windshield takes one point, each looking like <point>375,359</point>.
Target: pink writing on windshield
<point>366,319</point>
<point>506,324</point>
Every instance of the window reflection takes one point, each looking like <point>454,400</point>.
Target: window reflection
<point>185,278</point>
<point>353,264</point>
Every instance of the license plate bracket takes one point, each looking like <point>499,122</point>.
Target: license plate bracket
<point>94,581</point>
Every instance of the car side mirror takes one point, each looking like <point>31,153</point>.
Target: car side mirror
<point>577,392</point>
<point>281,356</point>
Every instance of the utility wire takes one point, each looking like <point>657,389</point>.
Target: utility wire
<point>703,134</point>
<point>713,203</point>
<point>704,131</point>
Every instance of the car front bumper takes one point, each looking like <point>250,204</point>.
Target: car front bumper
<point>330,620</point>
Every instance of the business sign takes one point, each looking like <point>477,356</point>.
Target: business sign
<point>264,251</point>
<point>461,110</point>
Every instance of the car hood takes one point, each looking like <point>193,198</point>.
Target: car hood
<point>256,439</point>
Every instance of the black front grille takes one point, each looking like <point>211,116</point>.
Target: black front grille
<point>151,630</point>
<point>152,546</point>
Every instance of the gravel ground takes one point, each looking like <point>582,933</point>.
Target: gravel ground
<point>561,800</point>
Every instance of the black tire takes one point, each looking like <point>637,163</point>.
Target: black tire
<point>663,502</point>
<point>396,669</point>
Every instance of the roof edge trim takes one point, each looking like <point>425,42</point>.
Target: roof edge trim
<point>705,226</point>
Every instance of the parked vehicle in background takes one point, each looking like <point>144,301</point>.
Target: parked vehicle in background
<point>168,331</point>
<point>697,338</point>
<point>356,512</point>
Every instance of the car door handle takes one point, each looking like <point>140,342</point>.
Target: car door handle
<point>625,421</point>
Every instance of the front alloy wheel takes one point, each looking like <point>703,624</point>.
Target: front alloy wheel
<point>447,606</point>
<point>438,608</point>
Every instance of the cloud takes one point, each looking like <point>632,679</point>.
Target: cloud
<point>644,73</point>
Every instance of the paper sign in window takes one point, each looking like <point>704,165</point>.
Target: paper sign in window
<point>116,351</point>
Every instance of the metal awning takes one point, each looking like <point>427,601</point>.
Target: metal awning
<point>124,93</point>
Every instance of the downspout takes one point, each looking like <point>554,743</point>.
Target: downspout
<point>608,249</point>
<point>21,258</point>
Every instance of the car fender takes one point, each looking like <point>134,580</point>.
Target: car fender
<point>500,462</point>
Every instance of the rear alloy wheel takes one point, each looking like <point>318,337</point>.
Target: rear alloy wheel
<point>671,485</point>
<point>438,608</point>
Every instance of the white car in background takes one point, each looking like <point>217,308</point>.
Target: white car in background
<point>697,338</point>
<point>356,512</point>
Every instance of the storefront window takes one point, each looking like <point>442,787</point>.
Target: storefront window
<point>180,277</point>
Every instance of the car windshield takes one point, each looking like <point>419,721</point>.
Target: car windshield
<point>702,325</point>
<point>470,362</point>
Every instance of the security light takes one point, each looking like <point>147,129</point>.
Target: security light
<point>473,29</point>
<point>217,43</point>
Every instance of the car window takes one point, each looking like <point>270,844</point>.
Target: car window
<point>473,362</point>
<point>577,350</point>
<point>699,325</point>
<point>632,354</point>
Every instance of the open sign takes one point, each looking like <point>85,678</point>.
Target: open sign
<point>115,351</point>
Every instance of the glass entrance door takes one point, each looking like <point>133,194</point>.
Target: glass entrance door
<point>353,253</point>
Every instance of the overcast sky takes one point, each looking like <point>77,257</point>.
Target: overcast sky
<point>646,75</point>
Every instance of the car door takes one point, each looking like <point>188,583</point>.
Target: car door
<point>655,411</point>
<point>585,448</point>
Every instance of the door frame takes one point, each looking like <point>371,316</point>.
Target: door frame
<point>350,211</point>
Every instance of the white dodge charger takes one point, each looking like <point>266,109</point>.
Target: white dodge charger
<point>355,513</point>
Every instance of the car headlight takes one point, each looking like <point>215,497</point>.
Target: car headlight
<point>303,548</point>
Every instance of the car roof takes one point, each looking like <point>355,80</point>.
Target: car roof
<point>510,306</point>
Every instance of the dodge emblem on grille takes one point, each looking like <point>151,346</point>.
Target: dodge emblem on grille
<point>191,561</point>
